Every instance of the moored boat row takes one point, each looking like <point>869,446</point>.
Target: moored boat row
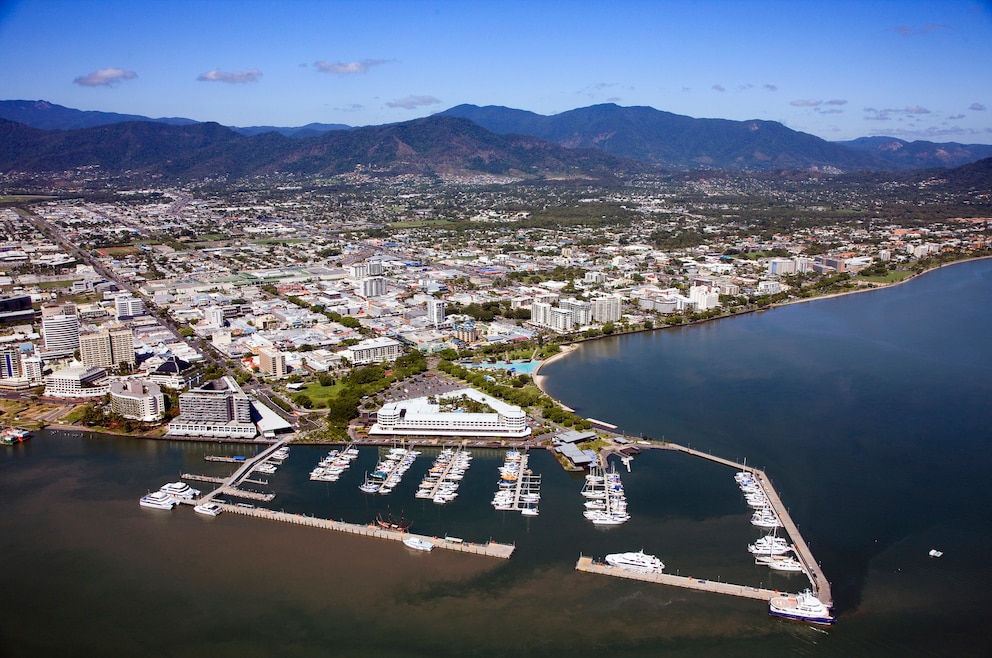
<point>440,484</point>
<point>331,467</point>
<point>606,502</point>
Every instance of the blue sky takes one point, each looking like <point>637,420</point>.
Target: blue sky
<point>910,69</point>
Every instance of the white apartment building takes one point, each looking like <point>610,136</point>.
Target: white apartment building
<point>128,306</point>
<point>435,311</point>
<point>372,287</point>
<point>137,399</point>
<point>606,309</point>
<point>704,297</point>
<point>561,320</point>
<point>374,350</point>
<point>540,313</point>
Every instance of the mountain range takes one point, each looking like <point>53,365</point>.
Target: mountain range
<point>600,141</point>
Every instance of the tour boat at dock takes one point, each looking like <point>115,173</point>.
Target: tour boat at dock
<point>180,491</point>
<point>157,500</point>
<point>207,509</point>
<point>635,561</point>
<point>800,607</point>
<point>13,435</point>
<point>418,544</point>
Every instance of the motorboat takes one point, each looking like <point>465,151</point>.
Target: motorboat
<point>636,561</point>
<point>800,607</point>
<point>418,544</point>
<point>157,500</point>
<point>208,509</point>
<point>180,490</point>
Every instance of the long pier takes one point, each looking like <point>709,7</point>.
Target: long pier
<point>491,549</point>
<point>819,582</point>
<point>687,582</point>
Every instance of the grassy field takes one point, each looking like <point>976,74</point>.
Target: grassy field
<point>319,394</point>
<point>891,277</point>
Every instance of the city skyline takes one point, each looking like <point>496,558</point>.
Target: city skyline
<point>841,70</point>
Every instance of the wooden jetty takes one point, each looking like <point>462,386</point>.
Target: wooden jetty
<point>687,582</point>
<point>202,478</point>
<point>491,549</point>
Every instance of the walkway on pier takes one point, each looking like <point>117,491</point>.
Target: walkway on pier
<point>821,586</point>
<point>229,485</point>
<point>586,564</point>
<point>492,549</point>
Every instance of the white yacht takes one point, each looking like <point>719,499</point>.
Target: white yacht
<point>769,546</point>
<point>800,607</point>
<point>208,509</point>
<point>636,561</point>
<point>779,562</point>
<point>180,490</point>
<point>418,544</point>
<point>158,500</point>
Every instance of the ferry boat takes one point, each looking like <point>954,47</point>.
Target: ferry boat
<point>208,509</point>
<point>158,500</point>
<point>418,544</point>
<point>635,561</point>
<point>800,607</point>
<point>180,490</point>
<point>13,435</point>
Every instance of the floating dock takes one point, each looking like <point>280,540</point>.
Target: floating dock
<point>687,582</point>
<point>491,549</point>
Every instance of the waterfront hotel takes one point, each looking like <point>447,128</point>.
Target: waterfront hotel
<point>422,417</point>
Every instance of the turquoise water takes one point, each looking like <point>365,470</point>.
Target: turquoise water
<point>519,367</point>
<point>868,412</point>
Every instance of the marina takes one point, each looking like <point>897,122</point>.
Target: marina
<point>389,471</point>
<point>442,480</point>
<point>519,488</point>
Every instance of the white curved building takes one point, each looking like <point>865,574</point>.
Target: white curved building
<point>421,417</point>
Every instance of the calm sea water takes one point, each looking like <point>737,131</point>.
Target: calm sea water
<point>868,412</point>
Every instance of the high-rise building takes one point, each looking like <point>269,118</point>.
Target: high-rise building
<point>581,311</point>
<point>272,361</point>
<point>435,311</point>
<point>606,309</point>
<point>218,408</point>
<point>562,319</point>
<point>373,287</point>
<point>128,306</point>
<point>32,367</point>
<point>540,314</point>
<point>107,348</point>
<point>10,362</point>
<point>60,329</point>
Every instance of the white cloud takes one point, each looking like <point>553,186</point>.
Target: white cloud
<point>105,77</point>
<point>413,102</point>
<point>348,68</point>
<point>978,107</point>
<point>232,77</point>
<point>917,110</point>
